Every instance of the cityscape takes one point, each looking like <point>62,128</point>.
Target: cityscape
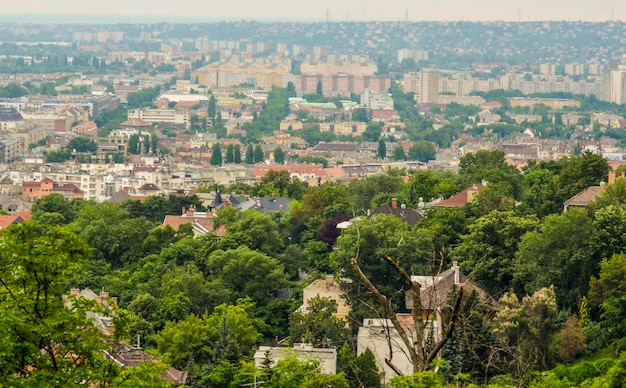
<point>338,200</point>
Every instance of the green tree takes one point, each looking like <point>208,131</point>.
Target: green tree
<point>39,333</point>
<point>279,155</point>
<point>580,172</point>
<point>611,281</point>
<point>398,153</point>
<point>361,114</point>
<point>230,153</point>
<point>250,154</point>
<point>372,131</point>
<point>527,328</point>
<point>154,140</point>
<point>247,272</point>
<point>216,155</point>
<point>375,258</point>
<point>361,371</point>
<point>318,325</point>
<point>55,203</point>
<point>550,256</point>
<point>237,155</point>
<point>211,110</point>
<point>82,144</point>
<point>428,379</point>
<point>492,167</point>
<point>422,151</point>
<point>293,372</point>
<point>133,144</point>
<point>318,89</point>
<point>259,155</point>
<point>382,149</point>
<point>487,253</point>
<point>207,337</point>
<point>363,191</point>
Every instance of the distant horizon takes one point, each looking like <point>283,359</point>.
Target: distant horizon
<point>321,10</point>
<point>77,18</point>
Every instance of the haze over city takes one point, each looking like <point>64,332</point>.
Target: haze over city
<point>194,10</point>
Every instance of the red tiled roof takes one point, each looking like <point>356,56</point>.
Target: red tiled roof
<point>6,221</point>
<point>200,222</point>
<point>460,199</point>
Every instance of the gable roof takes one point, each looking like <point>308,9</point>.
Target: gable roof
<point>585,197</point>
<point>199,221</point>
<point>8,220</point>
<point>462,198</point>
<point>436,289</point>
<point>410,216</point>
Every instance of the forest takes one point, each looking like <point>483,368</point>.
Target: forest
<point>551,315</point>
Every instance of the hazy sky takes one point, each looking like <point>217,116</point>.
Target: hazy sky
<point>480,10</point>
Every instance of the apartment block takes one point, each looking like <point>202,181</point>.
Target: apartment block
<point>152,116</point>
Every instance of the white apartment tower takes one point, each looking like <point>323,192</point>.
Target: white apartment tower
<point>614,83</point>
<point>429,86</point>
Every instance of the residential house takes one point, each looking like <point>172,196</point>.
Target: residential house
<point>382,338</point>
<point>123,354</point>
<point>36,190</point>
<point>410,216</point>
<point>8,220</point>
<point>486,117</point>
<point>202,222</point>
<point>461,199</point>
<point>326,288</point>
<point>327,356</point>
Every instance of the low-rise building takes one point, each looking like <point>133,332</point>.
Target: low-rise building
<point>326,356</point>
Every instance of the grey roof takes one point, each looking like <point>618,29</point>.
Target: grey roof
<point>119,197</point>
<point>10,117</point>
<point>337,147</point>
<point>218,203</point>
<point>410,216</point>
<point>265,204</point>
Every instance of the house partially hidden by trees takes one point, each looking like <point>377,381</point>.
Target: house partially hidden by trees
<point>383,338</point>
<point>201,222</point>
<point>326,356</point>
<point>326,288</point>
<point>125,355</point>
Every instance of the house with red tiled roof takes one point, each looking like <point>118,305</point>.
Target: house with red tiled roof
<point>8,220</point>
<point>201,222</point>
<point>385,115</point>
<point>461,199</point>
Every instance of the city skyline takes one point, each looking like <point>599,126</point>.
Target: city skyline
<point>196,10</point>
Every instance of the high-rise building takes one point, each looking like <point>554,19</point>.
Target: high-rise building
<point>429,86</point>
<point>547,69</point>
<point>614,82</point>
<point>415,55</point>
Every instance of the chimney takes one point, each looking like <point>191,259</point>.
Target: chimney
<point>330,280</point>
<point>184,211</point>
<point>247,197</point>
<point>74,291</point>
<point>104,298</point>
<point>394,203</point>
<point>611,177</point>
<point>455,268</point>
